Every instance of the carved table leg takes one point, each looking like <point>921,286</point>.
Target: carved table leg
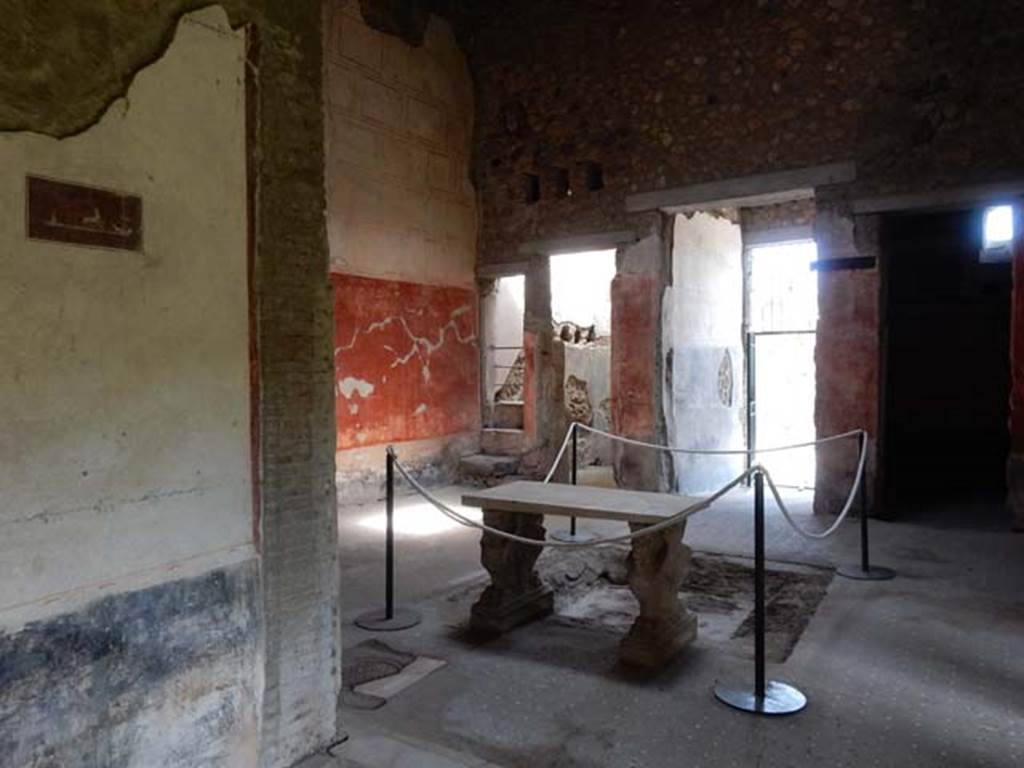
<point>658,563</point>
<point>516,594</point>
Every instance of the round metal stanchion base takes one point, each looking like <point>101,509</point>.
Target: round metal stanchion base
<point>873,573</point>
<point>566,535</point>
<point>779,698</point>
<point>377,621</point>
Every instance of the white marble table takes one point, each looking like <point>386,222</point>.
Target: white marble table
<point>658,563</point>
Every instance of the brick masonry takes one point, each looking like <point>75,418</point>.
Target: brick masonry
<point>660,93</point>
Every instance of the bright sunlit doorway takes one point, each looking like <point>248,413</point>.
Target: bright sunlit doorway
<point>782,315</point>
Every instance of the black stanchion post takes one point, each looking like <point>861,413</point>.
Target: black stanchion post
<point>759,586</point>
<point>766,697</point>
<point>390,619</point>
<point>864,571</point>
<point>572,476</point>
<point>865,558</point>
<point>389,540</point>
<point>572,534</point>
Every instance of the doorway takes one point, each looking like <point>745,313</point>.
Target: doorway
<point>581,314</point>
<point>946,344</point>
<point>782,317</point>
<point>502,307</point>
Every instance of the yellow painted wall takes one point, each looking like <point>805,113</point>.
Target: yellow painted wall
<point>124,390</point>
<point>399,127</point>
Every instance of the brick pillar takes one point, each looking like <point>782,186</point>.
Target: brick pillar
<point>1015,462</point>
<point>295,340</point>
<point>847,352</point>
<point>637,365</point>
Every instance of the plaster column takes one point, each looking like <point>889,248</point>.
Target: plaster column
<point>847,353</point>
<point>638,364</point>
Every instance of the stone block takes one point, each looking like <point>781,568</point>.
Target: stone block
<point>439,172</point>
<point>426,121</point>
<point>352,142</point>
<point>360,43</point>
<point>342,88</point>
<point>382,104</point>
<point>502,442</point>
<point>507,415</point>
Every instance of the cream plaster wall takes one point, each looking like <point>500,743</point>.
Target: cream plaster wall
<point>124,390</point>
<point>399,126</point>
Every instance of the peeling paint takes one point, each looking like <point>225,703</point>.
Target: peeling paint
<point>165,671</point>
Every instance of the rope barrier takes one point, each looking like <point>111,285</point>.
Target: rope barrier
<point>689,451</point>
<point>766,697</point>
<point>818,535</point>
<point>668,522</point>
<point>813,535</point>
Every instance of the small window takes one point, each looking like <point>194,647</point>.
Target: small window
<point>999,232</point>
<point>593,176</point>
<point>999,225</point>
<point>530,188</point>
<point>560,182</point>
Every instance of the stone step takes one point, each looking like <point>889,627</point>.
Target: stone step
<point>487,470</point>
<point>502,442</point>
<point>507,415</point>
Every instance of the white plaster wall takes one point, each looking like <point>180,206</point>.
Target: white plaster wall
<point>706,321</point>
<point>502,320</point>
<point>124,390</point>
<point>592,363</point>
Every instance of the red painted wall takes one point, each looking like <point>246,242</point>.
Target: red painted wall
<point>635,321</point>
<point>405,360</point>
<point>1017,354</point>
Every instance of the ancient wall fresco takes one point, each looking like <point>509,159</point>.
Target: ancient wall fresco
<point>406,361</point>
<point>634,317</point>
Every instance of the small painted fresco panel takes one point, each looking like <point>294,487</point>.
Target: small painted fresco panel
<point>72,213</point>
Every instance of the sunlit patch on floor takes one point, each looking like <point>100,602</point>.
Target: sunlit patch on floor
<point>417,519</point>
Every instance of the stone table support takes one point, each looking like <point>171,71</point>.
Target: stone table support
<point>516,594</point>
<point>658,563</point>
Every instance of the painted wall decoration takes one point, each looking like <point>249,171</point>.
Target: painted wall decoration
<point>72,213</point>
<point>406,361</point>
<point>635,318</point>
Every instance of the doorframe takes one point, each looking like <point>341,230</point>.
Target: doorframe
<point>490,278</point>
<point>785,236</point>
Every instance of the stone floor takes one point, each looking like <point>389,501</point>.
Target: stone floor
<point>926,670</point>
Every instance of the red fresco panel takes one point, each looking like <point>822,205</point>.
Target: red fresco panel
<point>406,361</point>
<point>634,321</point>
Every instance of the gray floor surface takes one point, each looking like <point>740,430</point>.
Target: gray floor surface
<point>926,670</point>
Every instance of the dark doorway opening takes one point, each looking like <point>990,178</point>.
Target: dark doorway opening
<point>946,336</point>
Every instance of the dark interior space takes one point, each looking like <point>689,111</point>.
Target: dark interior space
<point>947,377</point>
